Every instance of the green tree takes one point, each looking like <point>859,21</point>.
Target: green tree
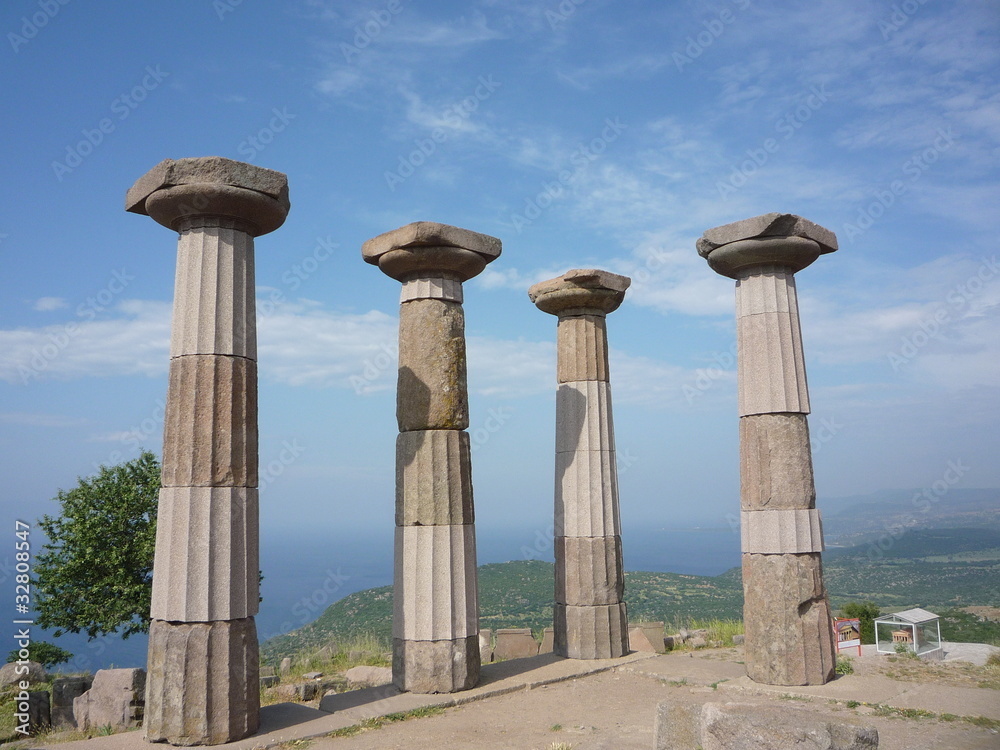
<point>46,654</point>
<point>866,612</point>
<point>95,573</point>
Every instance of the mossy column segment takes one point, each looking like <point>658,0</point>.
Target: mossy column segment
<point>203,686</point>
<point>789,637</point>
<point>436,608</point>
<point>589,615</point>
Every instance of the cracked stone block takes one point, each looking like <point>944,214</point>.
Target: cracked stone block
<point>203,686</point>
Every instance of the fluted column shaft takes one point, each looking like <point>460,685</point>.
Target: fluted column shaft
<point>590,617</point>
<point>435,598</point>
<point>203,684</point>
<point>789,638</point>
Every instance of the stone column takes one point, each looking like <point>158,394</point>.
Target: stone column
<point>436,609</point>
<point>203,686</point>
<point>789,637</point>
<point>590,618</point>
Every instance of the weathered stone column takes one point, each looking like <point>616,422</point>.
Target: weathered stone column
<point>789,637</point>
<point>590,618</point>
<point>436,608</point>
<point>203,686</point>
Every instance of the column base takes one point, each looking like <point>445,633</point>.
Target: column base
<point>203,684</point>
<point>789,633</point>
<point>599,632</point>
<point>435,666</point>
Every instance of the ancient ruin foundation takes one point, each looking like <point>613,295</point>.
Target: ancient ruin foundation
<point>203,685</point>
<point>590,618</point>
<point>789,640</point>
<point>436,608</point>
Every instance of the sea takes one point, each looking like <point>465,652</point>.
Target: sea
<point>306,572</point>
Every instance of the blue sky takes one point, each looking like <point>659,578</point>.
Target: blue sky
<point>583,134</point>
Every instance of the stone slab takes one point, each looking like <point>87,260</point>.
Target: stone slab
<point>588,570</point>
<point>206,559</point>
<point>116,698</point>
<point>581,289</point>
<point>776,471</point>
<point>433,478</point>
<point>203,685</point>
<point>11,674</point>
<point>548,641</point>
<point>206,170</point>
<point>515,643</point>
<point>432,390</point>
<point>436,586</point>
<point>214,310</point>
<point>432,234</point>
<point>485,646</point>
<point>441,666</point>
<point>736,726</point>
<point>637,641</point>
<point>64,691</point>
<point>599,632</point>
<point>767,225</point>
<point>778,532</point>
<point>210,423</point>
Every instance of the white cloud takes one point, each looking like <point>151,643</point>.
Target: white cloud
<point>136,343</point>
<point>46,304</point>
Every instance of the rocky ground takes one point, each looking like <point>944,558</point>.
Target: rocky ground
<point>547,703</point>
<point>915,705</point>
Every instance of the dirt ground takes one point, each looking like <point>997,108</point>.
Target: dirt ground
<point>616,710</point>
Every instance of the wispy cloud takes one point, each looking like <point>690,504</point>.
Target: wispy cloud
<point>47,304</point>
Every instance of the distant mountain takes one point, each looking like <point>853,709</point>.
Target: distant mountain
<point>519,595</point>
<point>942,568</point>
<point>860,519</point>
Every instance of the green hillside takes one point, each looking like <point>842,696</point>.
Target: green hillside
<point>939,568</point>
<point>519,595</point>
